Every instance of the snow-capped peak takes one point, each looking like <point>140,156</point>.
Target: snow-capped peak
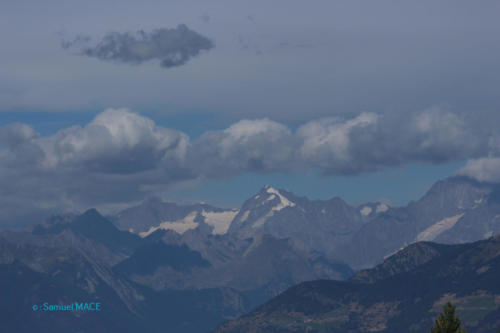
<point>366,210</point>
<point>381,208</point>
<point>284,202</point>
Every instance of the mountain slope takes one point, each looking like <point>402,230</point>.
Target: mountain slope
<point>154,214</point>
<point>52,268</point>
<point>399,295</point>
<point>455,210</point>
<point>264,264</point>
<point>218,276</point>
<point>149,257</point>
<point>93,225</point>
<point>319,225</point>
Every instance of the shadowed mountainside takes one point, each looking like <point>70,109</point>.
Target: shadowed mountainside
<point>403,294</point>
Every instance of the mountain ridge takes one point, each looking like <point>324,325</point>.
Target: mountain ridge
<point>403,300</point>
<point>456,209</point>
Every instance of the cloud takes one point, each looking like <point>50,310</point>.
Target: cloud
<point>122,157</point>
<point>109,161</point>
<point>483,169</point>
<point>173,47</point>
<point>116,141</point>
<point>327,144</point>
<point>15,134</point>
<point>246,146</point>
<point>371,142</point>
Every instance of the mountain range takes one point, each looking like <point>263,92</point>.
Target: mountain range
<point>455,210</point>
<point>403,294</point>
<point>187,268</point>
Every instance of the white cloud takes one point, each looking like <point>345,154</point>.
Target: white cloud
<point>116,141</point>
<point>327,141</point>
<point>482,169</point>
<point>443,134</point>
<point>121,156</point>
<point>246,146</point>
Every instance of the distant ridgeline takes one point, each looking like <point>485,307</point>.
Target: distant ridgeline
<point>160,266</point>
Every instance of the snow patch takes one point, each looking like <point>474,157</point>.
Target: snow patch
<point>381,208</point>
<point>437,228</point>
<point>244,217</point>
<point>394,252</point>
<point>260,222</point>
<point>365,211</point>
<point>284,202</point>
<point>219,220</point>
<point>179,226</point>
<point>477,203</point>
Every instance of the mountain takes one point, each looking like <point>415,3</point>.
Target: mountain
<point>66,267</point>
<point>455,210</point>
<point>147,258</point>
<point>214,277</point>
<point>91,225</point>
<point>404,294</point>
<point>205,264</point>
<point>262,263</point>
<point>320,225</point>
<point>38,269</point>
<point>197,257</point>
<point>260,267</point>
<point>154,214</point>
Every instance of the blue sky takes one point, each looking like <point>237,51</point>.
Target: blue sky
<point>104,103</point>
<point>395,186</point>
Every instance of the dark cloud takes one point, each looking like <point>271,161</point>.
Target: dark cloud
<point>172,47</point>
<point>15,134</point>
<point>122,157</point>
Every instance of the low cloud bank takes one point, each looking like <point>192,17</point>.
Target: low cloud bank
<point>122,156</point>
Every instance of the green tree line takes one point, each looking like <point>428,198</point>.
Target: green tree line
<point>448,322</point>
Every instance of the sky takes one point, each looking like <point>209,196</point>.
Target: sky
<point>106,103</point>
